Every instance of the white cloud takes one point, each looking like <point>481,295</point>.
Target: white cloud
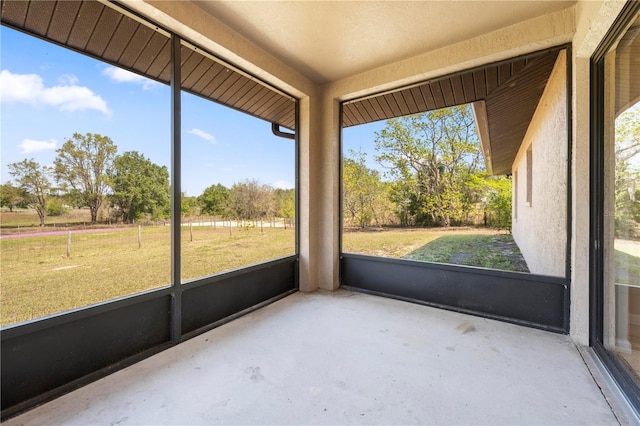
<point>120,75</point>
<point>282,184</point>
<point>29,145</point>
<point>204,135</point>
<point>68,80</point>
<point>67,96</point>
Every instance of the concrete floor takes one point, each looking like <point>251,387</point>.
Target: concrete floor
<point>347,358</point>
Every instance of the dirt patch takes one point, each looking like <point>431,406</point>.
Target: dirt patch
<point>61,268</point>
<point>503,246</point>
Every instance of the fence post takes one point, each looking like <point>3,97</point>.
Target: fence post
<point>191,230</point>
<point>68,243</point>
<point>139,237</point>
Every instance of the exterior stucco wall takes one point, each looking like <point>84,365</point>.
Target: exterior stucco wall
<point>539,227</point>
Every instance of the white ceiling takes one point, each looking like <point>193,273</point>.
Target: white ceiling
<point>331,40</point>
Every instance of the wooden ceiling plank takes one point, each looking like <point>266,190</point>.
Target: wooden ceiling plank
<point>518,66</point>
<point>257,101</point>
<point>219,79</point>
<point>491,75</point>
<point>189,64</point>
<point>151,52</point>
<point>469,87</point>
<point>160,66</point>
<point>121,38</point>
<point>208,72</point>
<point>15,12</point>
<point>479,84</point>
<point>418,98</point>
<point>504,73</point>
<point>63,20</point>
<point>347,116</point>
<point>226,84</point>
<point>363,112</point>
<point>357,115</point>
<point>371,111</point>
<point>39,16</point>
<point>386,109</point>
<point>83,28</point>
<point>458,90</point>
<point>272,103</point>
<point>427,95</point>
<point>235,92</point>
<point>375,104</point>
<point>251,97</point>
<point>438,98</point>
<point>447,92</point>
<point>137,47</point>
<point>402,103</point>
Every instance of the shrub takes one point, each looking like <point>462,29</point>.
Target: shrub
<point>55,207</point>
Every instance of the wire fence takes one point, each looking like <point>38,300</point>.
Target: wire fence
<point>56,241</point>
<point>44,271</point>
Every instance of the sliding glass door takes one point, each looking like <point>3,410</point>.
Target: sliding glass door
<point>616,213</point>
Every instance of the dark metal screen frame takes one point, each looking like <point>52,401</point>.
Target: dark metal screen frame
<point>430,292</point>
<point>47,357</point>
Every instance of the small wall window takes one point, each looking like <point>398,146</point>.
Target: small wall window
<point>529,176</point>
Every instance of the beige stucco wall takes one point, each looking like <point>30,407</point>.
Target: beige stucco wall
<point>539,228</point>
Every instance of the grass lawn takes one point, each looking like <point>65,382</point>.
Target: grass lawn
<point>482,247</point>
<point>486,251</point>
<point>627,262</point>
<point>38,279</point>
<point>29,218</point>
<point>399,242</point>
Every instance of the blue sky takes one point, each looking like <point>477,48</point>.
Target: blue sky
<point>362,139</point>
<point>48,93</point>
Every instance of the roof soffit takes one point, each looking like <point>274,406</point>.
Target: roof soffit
<point>509,92</point>
<point>111,34</point>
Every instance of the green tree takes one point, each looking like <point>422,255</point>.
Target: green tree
<point>627,175</point>
<point>188,205</point>
<point>55,206</point>
<point>499,199</point>
<point>139,187</point>
<point>214,199</point>
<point>431,156</point>
<point>285,201</point>
<point>13,196</point>
<point>81,166</point>
<point>363,193</point>
<point>33,179</point>
<point>249,200</point>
